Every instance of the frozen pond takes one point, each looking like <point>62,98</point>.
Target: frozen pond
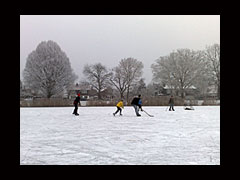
<point>53,136</point>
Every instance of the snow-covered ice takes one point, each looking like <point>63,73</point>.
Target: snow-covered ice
<point>53,136</point>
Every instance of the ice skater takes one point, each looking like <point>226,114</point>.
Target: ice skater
<point>171,103</point>
<point>76,103</point>
<point>137,104</point>
<point>119,107</point>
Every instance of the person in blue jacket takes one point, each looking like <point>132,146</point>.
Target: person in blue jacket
<point>137,104</point>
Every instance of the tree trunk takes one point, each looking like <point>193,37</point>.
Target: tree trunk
<point>128,92</point>
<point>99,95</point>
<point>182,93</point>
<point>121,95</point>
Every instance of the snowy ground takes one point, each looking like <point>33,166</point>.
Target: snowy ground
<point>54,136</point>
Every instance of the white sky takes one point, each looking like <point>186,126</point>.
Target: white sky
<point>110,38</point>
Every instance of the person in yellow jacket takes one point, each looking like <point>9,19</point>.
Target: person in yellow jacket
<point>119,107</point>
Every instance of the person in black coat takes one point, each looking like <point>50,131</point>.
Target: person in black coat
<point>76,103</point>
<point>171,103</point>
<point>136,103</point>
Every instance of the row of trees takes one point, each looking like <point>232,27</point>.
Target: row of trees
<point>48,71</point>
<point>184,68</point>
<point>123,77</point>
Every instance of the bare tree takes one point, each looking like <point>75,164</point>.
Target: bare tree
<point>119,81</point>
<point>180,70</point>
<point>132,71</point>
<point>97,76</point>
<point>48,70</point>
<point>126,74</point>
<point>212,55</point>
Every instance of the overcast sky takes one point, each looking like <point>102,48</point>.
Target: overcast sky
<point>110,38</point>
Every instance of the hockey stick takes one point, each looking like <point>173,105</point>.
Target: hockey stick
<point>147,113</point>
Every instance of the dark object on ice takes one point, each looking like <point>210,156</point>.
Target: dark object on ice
<point>189,108</point>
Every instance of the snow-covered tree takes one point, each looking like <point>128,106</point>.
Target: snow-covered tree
<point>212,55</point>
<point>21,85</point>
<point>97,76</point>
<point>48,70</point>
<point>179,70</point>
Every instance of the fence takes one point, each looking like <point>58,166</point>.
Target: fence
<point>150,101</point>
<point>45,102</point>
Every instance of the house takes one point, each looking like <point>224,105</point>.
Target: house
<point>86,93</point>
<point>157,89</point>
<point>189,92</point>
<point>73,90</point>
<point>212,92</point>
<point>108,93</point>
<point>26,93</point>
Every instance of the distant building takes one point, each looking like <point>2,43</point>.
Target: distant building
<point>86,93</point>
<point>26,93</point>
<point>108,93</point>
<point>212,92</point>
<point>168,90</point>
<point>190,91</point>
